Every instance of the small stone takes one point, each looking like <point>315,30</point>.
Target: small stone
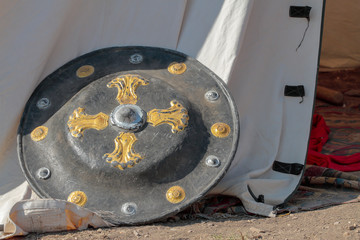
<point>190,231</point>
<point>336,223</point>
<point>211,224</point>
<point>295,218</point>
<point>326,227</point>
<point>358,231</point>
<point>136,233</point>
<point>352,228</point>
<point>99,230</point>
<point>346,234</point>
<point>146,235</point>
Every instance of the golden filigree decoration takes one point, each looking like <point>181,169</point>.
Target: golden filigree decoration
<point>220,130</point>
<point>39,133</point>
<point>78,197</point>
<point>176,116</point>
<point>177,68</point>
<point>127,85</point>
<point>80,121</point>
<point>85,71</point>
<point>123,155</point>
<point>175,194</point>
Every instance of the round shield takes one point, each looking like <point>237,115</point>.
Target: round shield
<point>137,133</point>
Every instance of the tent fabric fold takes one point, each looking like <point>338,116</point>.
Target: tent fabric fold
<point>49,215</point>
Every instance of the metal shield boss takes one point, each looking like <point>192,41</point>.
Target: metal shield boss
<point>136,133</point>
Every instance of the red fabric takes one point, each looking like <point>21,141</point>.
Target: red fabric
<point>318,137</point>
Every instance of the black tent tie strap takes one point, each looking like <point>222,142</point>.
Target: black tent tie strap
<point>301,12</point>
<point>288,168</point>
<point>260,198</point>
<point>295,91</point>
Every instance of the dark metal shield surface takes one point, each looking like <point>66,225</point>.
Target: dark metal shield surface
<point>136,132</point>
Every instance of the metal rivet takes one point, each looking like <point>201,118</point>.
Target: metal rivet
<point>136,58</point>
<point>212,95</point>
<point>129,208</point>
<point>43,173</point>
<point>43,103</point>
<point>212,161</point>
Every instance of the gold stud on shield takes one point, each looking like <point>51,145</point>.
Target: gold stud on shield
<point>220,130</point>
<point>85,71</point>
<point>78,197</point>
<point>175,194</point>
<point>39,133</point>
<point>177,68</point>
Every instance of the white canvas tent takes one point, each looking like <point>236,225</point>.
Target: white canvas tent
<point>251,45</point>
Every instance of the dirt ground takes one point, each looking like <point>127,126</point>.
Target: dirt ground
<point>336,222</point>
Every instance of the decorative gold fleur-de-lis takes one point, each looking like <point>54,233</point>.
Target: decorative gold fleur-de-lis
<point>79,121</point>
<point>176,116</point>
<point>123,155</point>
<point>127,85</point>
